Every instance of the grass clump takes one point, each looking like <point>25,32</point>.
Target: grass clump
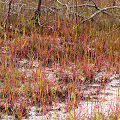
<point>43,66</point>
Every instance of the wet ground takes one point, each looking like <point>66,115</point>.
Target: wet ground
<point>104,99</point>
<point>105,102</point>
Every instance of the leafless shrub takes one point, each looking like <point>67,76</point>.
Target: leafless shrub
<point>82,11</point>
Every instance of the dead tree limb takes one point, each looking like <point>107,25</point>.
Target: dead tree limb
<point>38,13</point>
<point>8,15</point>
<point>99,11</point>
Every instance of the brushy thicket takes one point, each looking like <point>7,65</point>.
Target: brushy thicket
<point>62,44</point>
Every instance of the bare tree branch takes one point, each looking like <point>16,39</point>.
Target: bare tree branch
<point>8,15</point>
<point>38,12</point>
<point>69,9</point>
<point>99,11</point>
<point>61,3</point>
<point>91,5</point>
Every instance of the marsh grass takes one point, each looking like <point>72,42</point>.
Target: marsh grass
<point>75,55</point>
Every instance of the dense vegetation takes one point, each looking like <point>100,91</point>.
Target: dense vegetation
<point>75,40</point>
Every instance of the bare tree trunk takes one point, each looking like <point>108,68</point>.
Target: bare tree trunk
<point>38,12</point>
<point>114,3</point>
<point>9,7</point>
<point>7,19</point>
